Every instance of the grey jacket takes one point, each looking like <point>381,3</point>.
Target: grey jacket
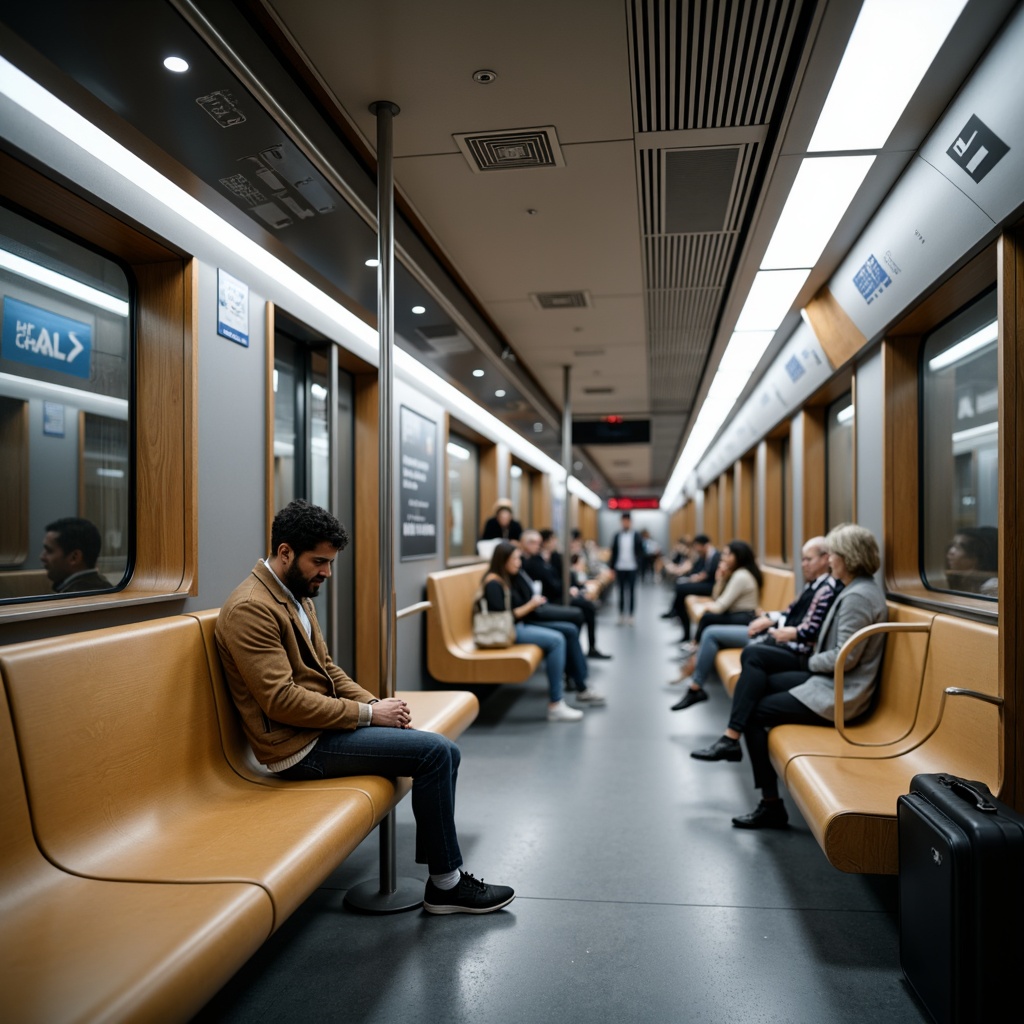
<point>860,603</point>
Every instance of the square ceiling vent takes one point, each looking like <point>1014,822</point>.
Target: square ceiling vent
<point>561,300</point>
<point>515,149</point>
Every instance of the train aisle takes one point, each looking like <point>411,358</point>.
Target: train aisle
<point>636,899</point>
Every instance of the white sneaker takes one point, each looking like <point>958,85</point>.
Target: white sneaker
<point>622,620</point>
<point>561,712</point>
<point>591,697</point>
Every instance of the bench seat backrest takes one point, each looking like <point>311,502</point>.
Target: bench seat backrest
<point>451,594</point>
<point>113,726</point>
<point>776,588</point>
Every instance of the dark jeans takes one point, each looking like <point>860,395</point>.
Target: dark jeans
<point>683,590</point>
<point>777,709</point>
<point>430,759</point>
<point>626,580</point>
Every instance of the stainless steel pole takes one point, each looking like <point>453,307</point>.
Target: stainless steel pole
<point>567,462</point>
<point>391,894</point>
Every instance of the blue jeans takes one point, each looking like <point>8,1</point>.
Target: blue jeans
<point>560,642</point>
<point>430,759</point>
<point>714,639</point>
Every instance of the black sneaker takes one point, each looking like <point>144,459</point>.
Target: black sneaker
<point>470,896</point>
<point>690,698</point>
<point>723,749</point>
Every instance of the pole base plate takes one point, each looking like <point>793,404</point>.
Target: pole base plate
<point>367,897</point>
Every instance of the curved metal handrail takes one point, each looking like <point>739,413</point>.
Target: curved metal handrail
<point>412,609</point>
<point>840,670</point>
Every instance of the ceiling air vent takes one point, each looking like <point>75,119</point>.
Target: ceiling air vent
<point>561,300</point>
<point>598,391</point>
<point>511,150</point>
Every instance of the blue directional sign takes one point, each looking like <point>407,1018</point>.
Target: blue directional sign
<point>47,340</point>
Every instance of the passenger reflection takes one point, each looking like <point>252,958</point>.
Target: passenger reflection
<point>972,561</point>
<point>71,547</point>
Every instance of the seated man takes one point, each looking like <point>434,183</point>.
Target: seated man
<point>542,562</point>
<point>791,633</point>
<point>700,580</point>
<point>306,719</point>
<point>70,549</point>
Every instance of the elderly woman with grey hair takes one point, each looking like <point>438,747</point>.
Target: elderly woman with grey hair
<point>763,699</point>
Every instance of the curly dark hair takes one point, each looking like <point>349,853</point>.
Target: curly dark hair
<point>303,527</point>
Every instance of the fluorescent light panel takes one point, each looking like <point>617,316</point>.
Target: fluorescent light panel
<point>62,283</point>
<point>456,451</point>
<point>770,297</point>
<point>892,46</point>
<point>988,335</point>
<point>823,189</point>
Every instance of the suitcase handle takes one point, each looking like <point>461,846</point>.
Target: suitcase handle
<point>966,791</point>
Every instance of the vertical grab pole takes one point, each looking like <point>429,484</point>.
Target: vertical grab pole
<point>567,463</point>
<point>391,894</point>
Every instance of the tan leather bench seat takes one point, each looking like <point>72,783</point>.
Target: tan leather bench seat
<point>847,793</point>
<point>78,949</point>
<point>452,657</point>
<point>449,713</point>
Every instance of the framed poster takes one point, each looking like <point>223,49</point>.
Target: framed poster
<point>232,308</point>
<point>417,496</point>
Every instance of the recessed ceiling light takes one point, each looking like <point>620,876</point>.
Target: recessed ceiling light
<point>419,309</point>
<point>176,64</point>
<point>538,427</point>
<point>500,393</point>
<point>373,262</point>
<point>478,373</point>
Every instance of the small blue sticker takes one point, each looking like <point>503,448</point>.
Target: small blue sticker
<point>871,280</point>
<point>795,369</point>
<point>47,340</point>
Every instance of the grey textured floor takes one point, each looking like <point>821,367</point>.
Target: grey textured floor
<point>636,899</point>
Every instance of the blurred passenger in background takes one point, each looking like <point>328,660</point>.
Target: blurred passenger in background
<point>700,580</point>
<point>627,558</point>
<point>71,547</point>
<point>501,525</point>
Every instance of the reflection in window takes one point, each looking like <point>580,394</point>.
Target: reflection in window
<point>65,385</point>
<point>463,503</point>
<point>839,462</point>
<point>960,421</point>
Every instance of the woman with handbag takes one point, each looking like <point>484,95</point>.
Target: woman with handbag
<point>504,590</point>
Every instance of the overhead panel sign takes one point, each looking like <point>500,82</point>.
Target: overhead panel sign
<point>46,340</point>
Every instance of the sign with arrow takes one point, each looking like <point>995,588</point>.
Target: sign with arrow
<point>47,340</point>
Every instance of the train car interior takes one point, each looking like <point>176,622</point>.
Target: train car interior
<point>694,310</point>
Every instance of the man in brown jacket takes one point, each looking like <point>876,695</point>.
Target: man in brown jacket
<point>306,719</point>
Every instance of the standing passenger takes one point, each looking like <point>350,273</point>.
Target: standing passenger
<point>627,558</point>
<point>306,719</point>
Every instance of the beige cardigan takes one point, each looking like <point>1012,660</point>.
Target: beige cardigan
<point>740,594</point>
<point>284,683</point>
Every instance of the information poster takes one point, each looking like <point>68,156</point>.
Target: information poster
<point>232,308</point>
<point>417,503</point>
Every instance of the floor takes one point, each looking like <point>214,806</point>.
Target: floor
<point>636,899</point>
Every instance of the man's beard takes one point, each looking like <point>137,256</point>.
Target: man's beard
<point>298,584</point>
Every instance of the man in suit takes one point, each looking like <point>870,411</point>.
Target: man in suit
<point>627,559</point>
<point>71,547</point>
<point>542,562</point>
<point>700,580</point>
<point>306,719</point>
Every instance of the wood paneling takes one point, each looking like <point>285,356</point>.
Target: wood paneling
<point>1011,507</point>
<point>771,451</point>
<point>14,539</point>
<point>587,521</point>
<point>366,537</point>
<point>542,501</point>
<point>839,336</point>
<point>726,508</point>
<point>746,527</point>
<point>813,484</point>
<point>488,483</point>
<point>711,523</point>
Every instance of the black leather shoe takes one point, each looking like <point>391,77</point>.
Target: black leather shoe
<point>689,698</point>
<point>600,655</point>
<point>767,814</point>
<point>669,615</point>
<point>723,749</point>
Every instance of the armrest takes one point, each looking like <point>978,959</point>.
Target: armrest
<point>840,671</point>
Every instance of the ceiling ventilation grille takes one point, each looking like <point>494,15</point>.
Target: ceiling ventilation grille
<point>561,300</point>
<point>708,64</point>
<point>511,150</point>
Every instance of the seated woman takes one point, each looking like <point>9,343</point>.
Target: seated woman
<point>560,641</point>
<point>764,698</point>
<point>734,600</point>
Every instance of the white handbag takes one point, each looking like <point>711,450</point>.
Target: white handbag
<point>493,629</point>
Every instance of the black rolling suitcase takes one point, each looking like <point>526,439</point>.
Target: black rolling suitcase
<point>960,894</point>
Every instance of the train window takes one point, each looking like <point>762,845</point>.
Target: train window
<point>65,413</point>
<point>839,461</point>
<point>960,471</point>
<point>463,496</point>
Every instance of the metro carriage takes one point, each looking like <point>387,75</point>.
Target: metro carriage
<point>748,269</point>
